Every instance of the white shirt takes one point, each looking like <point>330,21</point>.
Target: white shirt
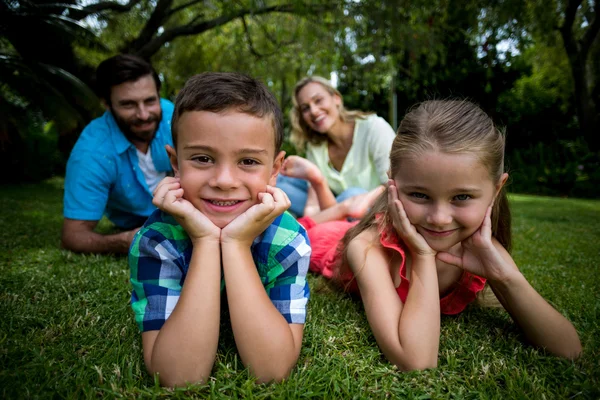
<point>367,162</point>
<point>151,175</point>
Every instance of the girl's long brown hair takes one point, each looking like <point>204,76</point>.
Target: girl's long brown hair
<point>451,127</point>
<point>301,132</point>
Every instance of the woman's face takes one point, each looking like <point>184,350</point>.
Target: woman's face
<point>319,108</point>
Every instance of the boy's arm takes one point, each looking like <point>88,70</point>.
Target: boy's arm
<point>268,343</point>
<point>184,349</point>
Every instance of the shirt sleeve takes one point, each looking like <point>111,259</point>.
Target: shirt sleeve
<point>381,136</point>
<point>290,292</point>
<point>88,181</point>
<point>156,276</point>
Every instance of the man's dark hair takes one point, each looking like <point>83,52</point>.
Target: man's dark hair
<point>221,91</point>
<point>122,68</point>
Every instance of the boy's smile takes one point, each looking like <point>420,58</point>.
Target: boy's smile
<point>224,160</point>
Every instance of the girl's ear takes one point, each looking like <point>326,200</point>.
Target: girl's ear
<point>173,158</point>
<point>276,168</point>
<point>500,184</point>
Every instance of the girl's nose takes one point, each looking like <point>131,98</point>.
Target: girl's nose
<point>440,215</point>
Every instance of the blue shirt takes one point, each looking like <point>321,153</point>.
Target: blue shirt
<point>103,175</point>
<point>159,259</point>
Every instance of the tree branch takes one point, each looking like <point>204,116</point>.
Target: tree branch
<point>183,7</point>
<point>158,17</point>
<point>592,32</point>
<point>102,6</point>
<point>150,47</point>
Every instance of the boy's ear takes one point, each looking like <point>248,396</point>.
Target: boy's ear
<point>173,158</point>
<point>276,167</point>
<point>104,104</point>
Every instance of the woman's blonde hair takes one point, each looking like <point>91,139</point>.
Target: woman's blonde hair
<point>451,127</point>
<point>301,132</point>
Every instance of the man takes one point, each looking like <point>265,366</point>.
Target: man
<point>119,158</point>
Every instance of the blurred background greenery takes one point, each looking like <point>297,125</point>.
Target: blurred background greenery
<point>534,65</point>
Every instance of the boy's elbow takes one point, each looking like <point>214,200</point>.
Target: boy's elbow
<point>173,380</point>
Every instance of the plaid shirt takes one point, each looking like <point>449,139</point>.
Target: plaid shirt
<point>160,255</point>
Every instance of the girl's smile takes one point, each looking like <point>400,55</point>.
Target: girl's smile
<point>445,196</point>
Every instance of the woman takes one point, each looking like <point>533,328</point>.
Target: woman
<point>347,152</point>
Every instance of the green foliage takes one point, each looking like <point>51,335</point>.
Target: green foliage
<point>563,168</point>
<point>67,329</point>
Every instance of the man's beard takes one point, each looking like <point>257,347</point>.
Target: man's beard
<point>138,136</point>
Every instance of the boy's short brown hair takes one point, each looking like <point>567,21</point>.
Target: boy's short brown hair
<point>221,91</point>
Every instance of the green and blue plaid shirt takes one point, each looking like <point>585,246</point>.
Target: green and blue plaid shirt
<point>160,255</point>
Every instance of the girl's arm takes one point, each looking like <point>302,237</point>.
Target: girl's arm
<point>408,334</point>
<point>541,323</point>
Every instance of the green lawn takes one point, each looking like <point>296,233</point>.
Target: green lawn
<point>67,331</point>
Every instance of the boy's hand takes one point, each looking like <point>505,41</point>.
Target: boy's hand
<point>482,254</point>
<point>168,197</point>
<point>416,243</point>
<point>247,226</point>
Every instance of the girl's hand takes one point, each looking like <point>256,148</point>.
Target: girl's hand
<point>168,197</point>
<point>416,243</point>
<point>482,255</point>
<point>247,226</point>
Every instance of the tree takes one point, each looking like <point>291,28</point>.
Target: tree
<point>578,24</point>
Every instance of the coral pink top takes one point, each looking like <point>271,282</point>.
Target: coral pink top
<point>326,259</point>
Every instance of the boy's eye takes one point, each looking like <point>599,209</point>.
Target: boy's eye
<point>249,162</point>
<point>462,197</point>
<point>201,159</point>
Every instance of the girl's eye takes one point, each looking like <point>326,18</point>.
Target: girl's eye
<point>249,162</point>
<point>418,195</point>
<point>462,197</point>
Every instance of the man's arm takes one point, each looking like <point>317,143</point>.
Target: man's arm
<point>79,236</point>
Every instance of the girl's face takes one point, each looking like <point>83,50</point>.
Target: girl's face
<point>319,108</point>
<point>445,196</point>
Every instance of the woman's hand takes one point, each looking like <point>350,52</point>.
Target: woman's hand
<point>482,255</point>
<point>416,243</point>
<point>168,197</point>
<point>247,226</point>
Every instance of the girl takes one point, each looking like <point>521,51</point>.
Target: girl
<point>347,152</point>
<point>431,242</point>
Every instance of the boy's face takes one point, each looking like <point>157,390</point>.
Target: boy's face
<point>224,160</point>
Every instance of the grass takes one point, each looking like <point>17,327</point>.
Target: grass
<point>67,330</point>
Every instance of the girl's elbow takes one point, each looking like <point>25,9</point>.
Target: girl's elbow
<point>273,372</point>
<point>417,365</point>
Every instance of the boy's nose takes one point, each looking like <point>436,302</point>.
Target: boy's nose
<point>439,216</point>
<point>225,178</point>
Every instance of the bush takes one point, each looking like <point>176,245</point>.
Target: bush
<point>563,168</point>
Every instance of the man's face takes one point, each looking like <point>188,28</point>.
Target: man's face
<point>135,105</point>
<point>224,160</point>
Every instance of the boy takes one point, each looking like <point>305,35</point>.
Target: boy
<point>221,223</point>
